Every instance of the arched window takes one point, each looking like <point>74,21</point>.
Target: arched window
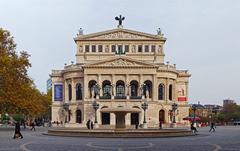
<point>78,91</point>
<point>106,85</point>
<point>134,88</point>
<point>120,89</point>
<point>147,86</point>
<point>161,92</point>
<point>93,90</point>
<point>170,92</point>
<point>69,92</point>
<point>78,116</point>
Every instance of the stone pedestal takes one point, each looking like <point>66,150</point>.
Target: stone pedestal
<point>173,125</point>
<point>95,125</point>
<point>144,125</point>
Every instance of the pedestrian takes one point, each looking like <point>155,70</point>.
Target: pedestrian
<point>91,124</point>
<point>160,125</point>
<point>88,124</point>
<point>33,126</point>
<point>17,131</point>
<point>193,128</point>
<point>136,125</point>
<point>212,127</point>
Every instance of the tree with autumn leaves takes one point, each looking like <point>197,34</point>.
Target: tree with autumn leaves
<point>18,94</point>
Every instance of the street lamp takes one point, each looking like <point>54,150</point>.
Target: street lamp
<point>144,107</point>
<point>194,108</point>
<point>95,107</point>
<point>214,110</point>
<point>174,108</point>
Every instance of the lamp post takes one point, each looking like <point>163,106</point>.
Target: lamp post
<point>174,108</point>
<point>95,107</point>
<point>194,108</point>
<point>144,107</point>
<point>214,110</point>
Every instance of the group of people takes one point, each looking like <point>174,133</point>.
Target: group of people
<point>89,124</point>
<point>194,129</point>
<point>18,133</point>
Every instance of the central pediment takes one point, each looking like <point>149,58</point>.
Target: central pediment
<point>119,34</point>
<point>120,62</point>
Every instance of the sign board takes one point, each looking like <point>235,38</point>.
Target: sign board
<point>58,92</point>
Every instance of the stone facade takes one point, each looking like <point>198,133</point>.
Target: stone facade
<point>120,69</point>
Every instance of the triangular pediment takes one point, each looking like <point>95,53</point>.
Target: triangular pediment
<point>120,34</point>
<point>120,62</point>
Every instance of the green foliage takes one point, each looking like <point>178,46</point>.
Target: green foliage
<point>18,117</point>
<point>230,112</point>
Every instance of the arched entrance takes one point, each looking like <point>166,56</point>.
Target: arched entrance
<point>78,116</point>
<point>162,116</point>
<point>105,118</point>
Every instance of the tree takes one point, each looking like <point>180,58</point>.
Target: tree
<point>18,94</point>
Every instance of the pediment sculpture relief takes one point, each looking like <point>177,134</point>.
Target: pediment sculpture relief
<point>120,35</point>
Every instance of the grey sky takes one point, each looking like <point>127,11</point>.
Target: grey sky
<point>203,36</point>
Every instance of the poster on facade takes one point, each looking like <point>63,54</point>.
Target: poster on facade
<point>58,95</point>
<point>182,93</point>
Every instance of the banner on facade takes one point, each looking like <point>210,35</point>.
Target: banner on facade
<point>182,98</point>
<point>58,92</point>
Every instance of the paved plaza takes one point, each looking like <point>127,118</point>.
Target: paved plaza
<point>225,138</point>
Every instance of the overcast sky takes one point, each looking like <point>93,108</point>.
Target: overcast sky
<point>202,36</point>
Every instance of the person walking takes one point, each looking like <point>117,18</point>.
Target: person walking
<point>136,125</point>
<point>212,127</point>
<point>88,124</point>
<point>17,131</point>
<point>33,126</point>
<point>160,125</point>
<point>193,128</point>
<point>91,124</point>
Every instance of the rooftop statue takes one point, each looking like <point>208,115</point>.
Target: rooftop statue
<point>120,19</point>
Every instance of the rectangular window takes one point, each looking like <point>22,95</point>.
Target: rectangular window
<point>153,48</point>
<point>146,48</point>
<point>86,48</point>
<point>100,48</point>
<point>126,48</point>
<point>93,48</point>
<point>139,48</point>
<point>113,48</point>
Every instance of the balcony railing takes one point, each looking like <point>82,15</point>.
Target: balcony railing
<point>105,97</point>
<point>135,97</point>
<point>120,97</point>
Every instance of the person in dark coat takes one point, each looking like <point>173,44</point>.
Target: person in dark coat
<point>136,125</point>
<point>33,126</point>
<point>91,124</point>
<point>17,131</point>
<point>212,127</point>
<point>88,124</point>
<point>193,128</point>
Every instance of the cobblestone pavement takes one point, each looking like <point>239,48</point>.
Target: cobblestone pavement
<point>224,139</point>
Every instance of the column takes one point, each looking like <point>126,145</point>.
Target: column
<point>155,88</point>
<point>85,87</point>
<point>127,86</point>
<point>112,119</point>
<point>186,93</point>
<point>73,90</point>
<point>66,91</point>
<point>128,119</point>
<point>141,86</point>
<point>100,86</point>
<point>174,90</point>
<point>166,90</point>
<point>114,83</point>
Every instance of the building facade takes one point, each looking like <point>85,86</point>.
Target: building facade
<point>115,73</point>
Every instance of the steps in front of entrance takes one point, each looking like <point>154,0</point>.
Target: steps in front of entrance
<point>119,133</point>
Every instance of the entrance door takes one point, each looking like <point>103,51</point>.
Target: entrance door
<point>120,120</point>
<point>134,118</point>
<point>161,116</point>
<point>105,118</point>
